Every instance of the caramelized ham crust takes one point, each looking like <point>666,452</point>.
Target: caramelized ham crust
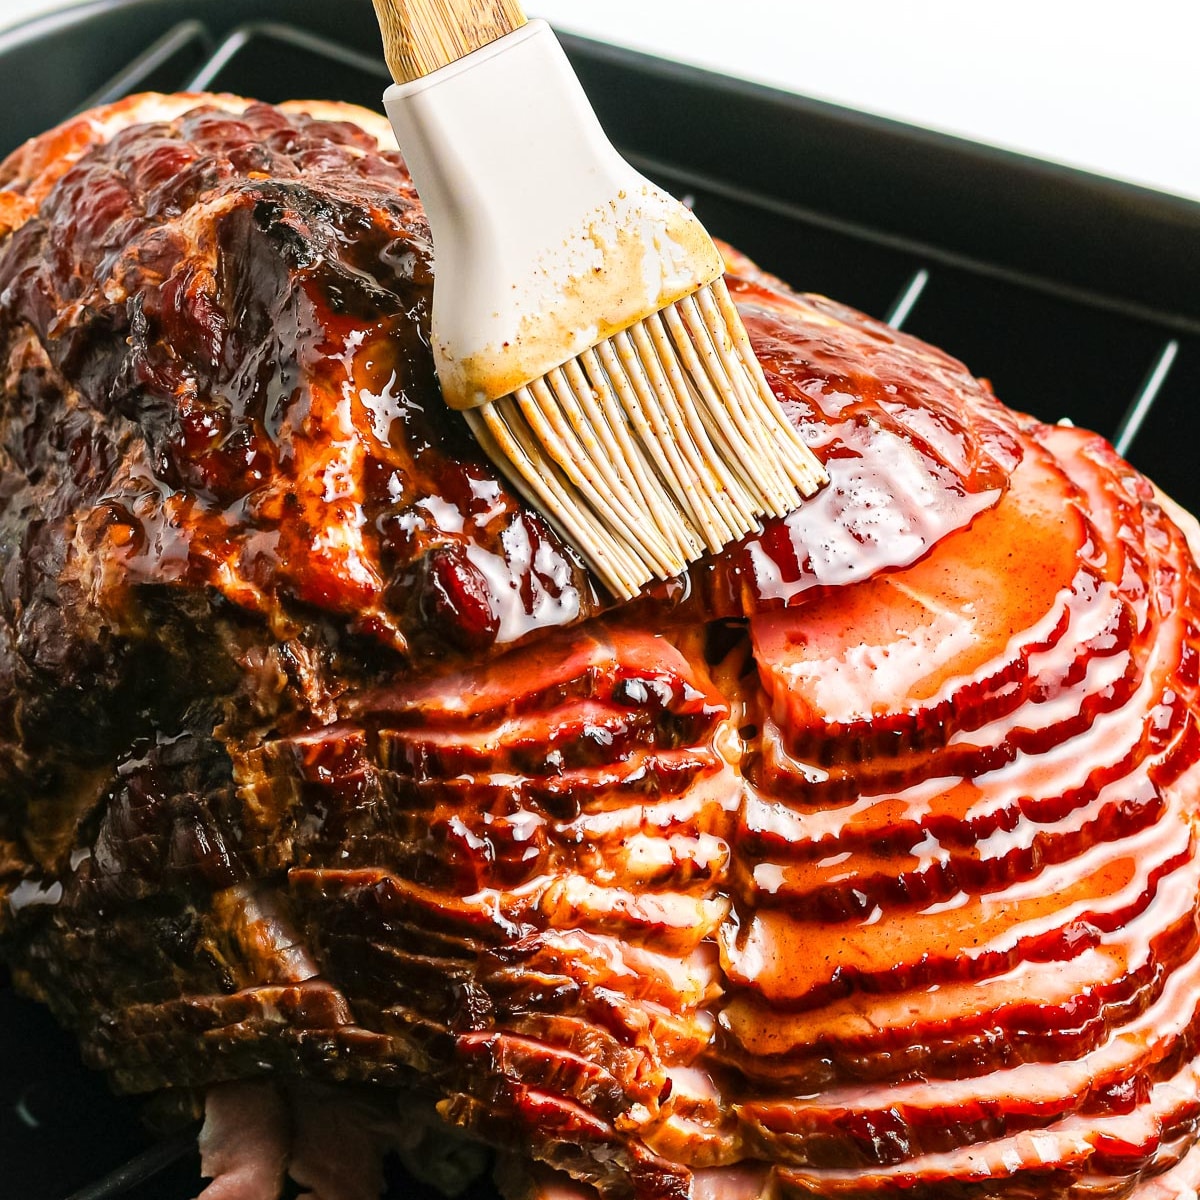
<point>859,861</point>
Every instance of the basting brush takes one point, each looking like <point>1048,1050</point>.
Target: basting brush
<point>580,317</point>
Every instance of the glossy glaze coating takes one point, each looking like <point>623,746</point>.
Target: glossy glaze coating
<point>859,862</point>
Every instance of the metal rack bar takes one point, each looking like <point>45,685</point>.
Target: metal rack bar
<point>241,37</point>
<point>1139,410</point>
<point>904,304</point>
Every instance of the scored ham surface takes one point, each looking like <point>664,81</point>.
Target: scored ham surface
<point>858,862</point>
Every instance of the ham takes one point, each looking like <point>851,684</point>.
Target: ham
<point>337,798</point>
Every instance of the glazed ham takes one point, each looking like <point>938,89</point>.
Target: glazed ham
<point>335,796</point>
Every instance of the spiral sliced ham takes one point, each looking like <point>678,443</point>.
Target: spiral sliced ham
<point>336,798</point>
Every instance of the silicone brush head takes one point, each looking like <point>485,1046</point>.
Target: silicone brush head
<point>660,444</point>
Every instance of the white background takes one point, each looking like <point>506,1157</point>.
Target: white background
<point>1113,87</point>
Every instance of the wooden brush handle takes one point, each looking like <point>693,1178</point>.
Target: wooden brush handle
<point>420,36</point>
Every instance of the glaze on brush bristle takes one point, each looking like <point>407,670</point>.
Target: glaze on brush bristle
<point>421,36</point>
<point>655,447</point>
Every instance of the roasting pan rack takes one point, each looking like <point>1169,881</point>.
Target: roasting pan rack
<point>1079,297</point>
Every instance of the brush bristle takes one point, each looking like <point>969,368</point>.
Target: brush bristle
<point>422,36</point>
<point>657,446</point>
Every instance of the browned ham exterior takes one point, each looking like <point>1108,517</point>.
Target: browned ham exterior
<point>859,862</point>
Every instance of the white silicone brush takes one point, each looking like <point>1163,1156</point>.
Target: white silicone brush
<point>580,318</point>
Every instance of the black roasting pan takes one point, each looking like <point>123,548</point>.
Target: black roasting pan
<point>1077,296</point>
